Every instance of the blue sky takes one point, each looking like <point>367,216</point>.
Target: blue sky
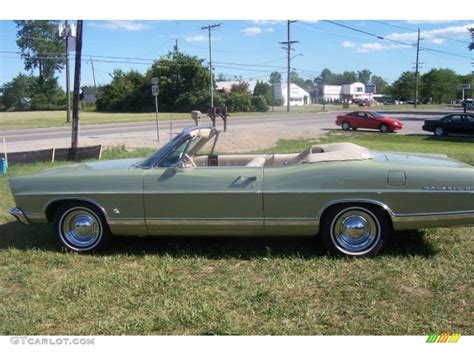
<point>250,49</point>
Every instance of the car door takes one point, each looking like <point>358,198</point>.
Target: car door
<point>467,124</point>
<point>456,124</point>
<point>197,199</point>
<point>364,120</point>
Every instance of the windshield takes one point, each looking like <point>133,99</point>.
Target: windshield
<point>377,115</point>
<point>148,161</point>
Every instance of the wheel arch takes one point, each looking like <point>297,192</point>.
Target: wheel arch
<point>53,206</point>
<point>364,202</point>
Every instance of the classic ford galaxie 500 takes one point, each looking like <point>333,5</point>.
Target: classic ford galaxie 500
<point>350,196</point>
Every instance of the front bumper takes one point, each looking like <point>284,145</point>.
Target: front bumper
<point>19,215</point>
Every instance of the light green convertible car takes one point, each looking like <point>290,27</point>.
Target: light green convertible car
<point>350,196</point>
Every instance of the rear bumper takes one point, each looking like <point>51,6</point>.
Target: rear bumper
<point>404,222</point>
<point>19,215</point>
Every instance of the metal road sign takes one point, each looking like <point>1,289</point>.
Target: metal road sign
<point>155,81</point>
<point>154,90</point>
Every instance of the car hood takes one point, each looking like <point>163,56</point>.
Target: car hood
<point>120,164</point>
<point>425,159</point>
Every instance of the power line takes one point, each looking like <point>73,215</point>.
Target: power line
<point>395,41</point>
<point>425,33</point>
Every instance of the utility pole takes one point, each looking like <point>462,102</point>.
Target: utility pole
<point>209,28</point>
<point>93,77</point>
<point>471,47</point>
<point>176,46</point>
<point>77,87</point>
<point>287,47</point>
<point>68,92</point>
<point>416,68</point>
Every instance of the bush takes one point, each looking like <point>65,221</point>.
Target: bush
<point>238,101</point>
<point>259,103</point>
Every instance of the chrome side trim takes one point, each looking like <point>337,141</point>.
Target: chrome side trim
<point>19,215</point>
<point>126,221</point>
<point>274,222</point>
<point>433,220</point>
<point>211,222</point>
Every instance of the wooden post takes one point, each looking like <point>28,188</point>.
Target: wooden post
<point>77,87</point>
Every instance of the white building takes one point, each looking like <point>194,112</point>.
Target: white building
<point>227,85</point>
<point>331,93</point>
<point>345,92</point>
<point>353,91</point>
<point>298,96</point>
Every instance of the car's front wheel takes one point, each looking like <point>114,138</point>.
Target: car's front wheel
<point>439,132</point>
<point>384,128</point>
<point>354,230</point>
<point>81,227</point>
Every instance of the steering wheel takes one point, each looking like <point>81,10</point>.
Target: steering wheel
<point>188,158</point>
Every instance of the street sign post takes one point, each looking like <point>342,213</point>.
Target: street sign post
<point>464,87</point>
<point>155,91</point>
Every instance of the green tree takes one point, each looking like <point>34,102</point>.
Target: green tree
<point>259,103</point>
<point>275,78</point>
<point>439,84</point>
<point>325,77</point>
<point>296,79</point>
<point>25,93</point>
<point>404,87</point>
<point>125,93</point>
<point>364,76</point>
<point>380,84</point>
<point>40,48</point>
<point>241,86</point>
<point>179,74</point>
<point>265,90</point>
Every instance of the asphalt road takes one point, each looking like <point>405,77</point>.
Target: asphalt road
<point>321,121</point>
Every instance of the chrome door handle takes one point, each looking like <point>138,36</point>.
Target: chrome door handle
<point>250,178</point>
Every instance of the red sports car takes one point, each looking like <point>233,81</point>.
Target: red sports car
<point>368,119</point>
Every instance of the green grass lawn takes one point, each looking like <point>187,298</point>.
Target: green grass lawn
<point>422,283</point>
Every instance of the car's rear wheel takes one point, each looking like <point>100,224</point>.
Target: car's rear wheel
<point>346,126</point>
<point>81,227</point>
<point>439,132</point>
<point>354,230</point>
<point>384,128</point>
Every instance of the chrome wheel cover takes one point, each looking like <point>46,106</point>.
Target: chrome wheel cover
<point>384,128</point>
<point>346,126</point>
<point>80,228</point>
<point>439,131</point>
<point>355,231</point>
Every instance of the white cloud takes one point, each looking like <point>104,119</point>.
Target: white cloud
<point>371,47</point>
<point>268,22</point>
<point>432,36</point>
<point>348,44</point>
<point>121,25</point>
<point>252,31</point>
<point>198,38</point>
